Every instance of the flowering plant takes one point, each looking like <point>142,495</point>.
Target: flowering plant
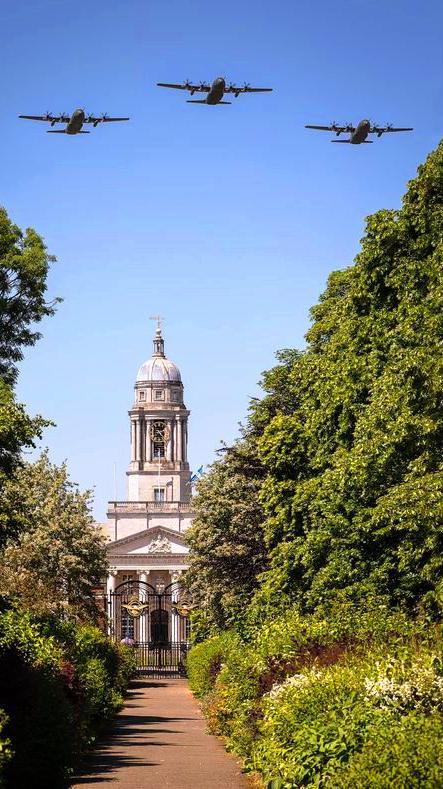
<point>402,686</point>
<point>294,682</point>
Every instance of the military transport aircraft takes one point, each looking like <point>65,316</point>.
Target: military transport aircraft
<point>74,122</point>
<point>360,132</point>
<point>215,91</point>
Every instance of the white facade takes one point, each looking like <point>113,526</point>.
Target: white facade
<point>146,531</point>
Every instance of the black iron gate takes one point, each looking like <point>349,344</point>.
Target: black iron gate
<point>154,622</point>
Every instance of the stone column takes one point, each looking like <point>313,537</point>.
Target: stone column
<point>169,444</point>
<point>174,439</point>
<point>142,438</point>
<point>148,449</point>
<point>185,441</point>
<point>137,440</point>
<point>179,441</point>
<point>144,618</point>
<point>111,583</point>
<point>175,617</point>
<point>133,441</point>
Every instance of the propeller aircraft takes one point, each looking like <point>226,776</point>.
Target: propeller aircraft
<point>73,122</point>
<point>215,92</point>
<point>360,132</point>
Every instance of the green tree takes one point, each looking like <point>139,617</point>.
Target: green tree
<point>24,265</point>
<point>228,551</point>
<point>354,488</point>
<point>226,537</point>
<point>57,556</point>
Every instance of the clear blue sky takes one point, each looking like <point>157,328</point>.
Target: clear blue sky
<point>226,220</point>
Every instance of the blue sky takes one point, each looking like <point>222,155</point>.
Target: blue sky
<point>226,220</point>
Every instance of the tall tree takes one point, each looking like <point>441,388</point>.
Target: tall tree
<point>24,265</point>
<point>228,550</point>
<point>57,556</point>
<point>354,487</point>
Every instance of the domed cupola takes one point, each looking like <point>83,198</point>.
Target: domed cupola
<point>158,368</point>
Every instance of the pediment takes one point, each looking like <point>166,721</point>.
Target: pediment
<point>158,540</point>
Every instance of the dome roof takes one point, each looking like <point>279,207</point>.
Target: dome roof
<point>158,368</point>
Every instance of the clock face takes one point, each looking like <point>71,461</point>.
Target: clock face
<point>160,433</point>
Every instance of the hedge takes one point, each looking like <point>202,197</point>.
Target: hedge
<point>60,683</point>
<point>355,699</point>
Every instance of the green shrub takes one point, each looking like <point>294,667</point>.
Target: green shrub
<point>6,752</point>
<point>302,697</point>
<point>405,753</point>
<point>205,660</point>
<point>59,684</point>
<point>32,692</point>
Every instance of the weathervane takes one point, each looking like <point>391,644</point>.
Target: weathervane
<point>159,320</point>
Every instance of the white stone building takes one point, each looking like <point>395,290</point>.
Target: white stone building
<point>146,532</point>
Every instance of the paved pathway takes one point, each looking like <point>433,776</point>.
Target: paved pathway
<point>159,740</point>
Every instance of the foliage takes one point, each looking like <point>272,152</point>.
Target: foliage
<point>227,548</point>
<point>204,662</point>
<point>75,678</point>
<point>354,490</point>
<point>403,752</point>
<point>24,265</point>
<point>17,430</point>
<point>58,556</point>
<point>5,747</point>
<point>300,700</point>
<point>226,538</point>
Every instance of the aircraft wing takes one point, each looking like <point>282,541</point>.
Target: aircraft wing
<point>48,118</point>
<point>332,128</point>
<point>105,119</point>
<point>385,129</point>
<point>102,119</point>
<point>202,88</point>
<point>237,89</point>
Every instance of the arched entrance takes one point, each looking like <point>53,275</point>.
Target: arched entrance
<point>154,623</point>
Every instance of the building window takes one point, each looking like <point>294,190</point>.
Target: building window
<point>175,395</point>
<point>158,394</point>
<point>159,494</point>
<point>142,395</point>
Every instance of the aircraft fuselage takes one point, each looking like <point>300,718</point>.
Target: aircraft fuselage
<point>361,132</point>
<point>217,91</point>
<point>75,122</point>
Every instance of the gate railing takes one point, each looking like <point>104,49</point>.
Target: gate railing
<point>154,623</point>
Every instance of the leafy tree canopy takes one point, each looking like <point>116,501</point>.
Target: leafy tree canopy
<point>57,555</point>
<point>346,495</point>
<point>24,264</point>
<point>353,494</point>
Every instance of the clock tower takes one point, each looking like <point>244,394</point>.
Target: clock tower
<point>146,531</point>
<point>159,468</point>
